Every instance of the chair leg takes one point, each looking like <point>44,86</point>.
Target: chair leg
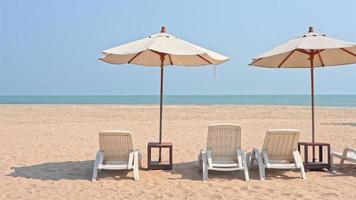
<point>244,164</point>
<point>248,160</point>
<point>139,160</point>
<point>261,167</point>
<point>299,163</point>
<point>205,166</point>
<point>98,159</point>
<point>303,172</point>
<point>247,176</point>
<point>136,165</point>
<point>262,170</point>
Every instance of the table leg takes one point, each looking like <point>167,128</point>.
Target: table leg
<point>171,157</point>
<point>329,157</point>
<point>148,157</point>
<point>306,157</point>
<point>320,153</point>
<point>314,153</point>
<point>159,156</point>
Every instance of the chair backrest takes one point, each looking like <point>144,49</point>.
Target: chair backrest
<point>224,140</point>
<point>280,143</point>
<point>116,145</point>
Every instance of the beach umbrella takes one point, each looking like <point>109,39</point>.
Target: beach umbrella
<point>161,50</point>
<point>309,51</point>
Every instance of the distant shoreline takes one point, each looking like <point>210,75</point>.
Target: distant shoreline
<point>285,100</point>
<point>252,106</point>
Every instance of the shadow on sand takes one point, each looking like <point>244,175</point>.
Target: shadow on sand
<point>190,171</point>
<point>69,170</point>
<point>342,170</point>
<point>82,170</point>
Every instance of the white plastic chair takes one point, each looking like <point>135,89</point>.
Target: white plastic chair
<point>279,151</point>
<point>223,150</point>
<point>347,155</point>
<point>116,153</point>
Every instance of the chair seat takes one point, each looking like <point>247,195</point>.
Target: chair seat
<point>281,164</point>
<point>114,165</point>
<point>225,163</point>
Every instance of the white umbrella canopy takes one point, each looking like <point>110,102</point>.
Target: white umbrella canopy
<point>309,51</point>
<point>297,53</point>
<point>161,50</point>
<point>148,52</point>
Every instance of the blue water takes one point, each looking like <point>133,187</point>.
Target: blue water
<point>303,100</point>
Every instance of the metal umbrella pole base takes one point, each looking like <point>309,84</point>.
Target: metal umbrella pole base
<point>160,145</point>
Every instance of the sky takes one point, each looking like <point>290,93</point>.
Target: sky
<point>51,47</point>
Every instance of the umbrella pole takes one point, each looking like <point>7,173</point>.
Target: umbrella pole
<point>312,100</point>
<point>161,107</point>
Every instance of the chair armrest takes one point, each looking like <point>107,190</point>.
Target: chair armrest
<point>350,150</point>
<point>99,158</point>
<point>336,154</point>
<point>241,157</point>
<point>255,152</point>
<point>265,158</point>
<point>297,158</point>
<point>133,157</point>
<point>101,152</point>
<point>200,156</point>
<point>240,160</point>
<point>209,157</point>
<point>257,155</point>
<point>254,155</point>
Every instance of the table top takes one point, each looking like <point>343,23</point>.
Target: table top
<point>157,144</point>
<point>314,144</point>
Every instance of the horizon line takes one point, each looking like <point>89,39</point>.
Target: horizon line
<point>3,95</point>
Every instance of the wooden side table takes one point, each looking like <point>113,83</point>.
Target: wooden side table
<point>315,164</point>
<point>158,164</point>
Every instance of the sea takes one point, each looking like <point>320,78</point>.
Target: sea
<point>297,100</point>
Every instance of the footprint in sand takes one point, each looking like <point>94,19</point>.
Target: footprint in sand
<point>298,195</point>
<point>287,194</point>
<point>329,195</point>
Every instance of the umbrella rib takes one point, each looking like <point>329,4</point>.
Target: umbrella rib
<point>253,61</point>
<point>170,59</point>
<point>285,59</point>
<point>321,60</point>
<point>303,51</point>
<point>129,62</point>
<point>157,52</point>
<point>205,59</point>
<point>347,51</point>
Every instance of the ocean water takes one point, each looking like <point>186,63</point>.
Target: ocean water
<point>302,100</point>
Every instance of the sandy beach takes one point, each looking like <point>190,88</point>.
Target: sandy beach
<point>48,151</point>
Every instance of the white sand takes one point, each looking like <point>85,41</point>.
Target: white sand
<point>47,152</point>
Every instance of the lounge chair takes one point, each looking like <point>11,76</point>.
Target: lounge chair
<point>223,150</point>
<point>279,151</point>
<point>348,154</point>
<point>116,153</point>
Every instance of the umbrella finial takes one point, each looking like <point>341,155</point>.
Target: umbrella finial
<point>163,29</point>
<point>311,29</point>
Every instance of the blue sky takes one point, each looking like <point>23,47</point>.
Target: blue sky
<point>51,47</point>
